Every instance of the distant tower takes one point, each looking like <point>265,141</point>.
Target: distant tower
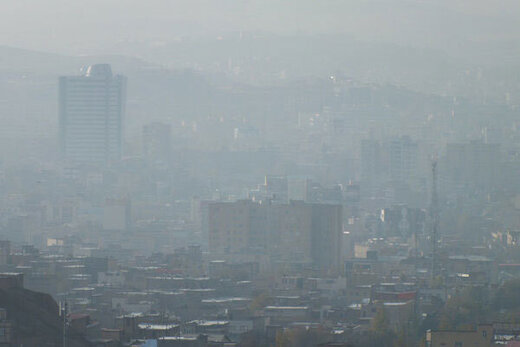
<point>157,143</point>
<point>434,215</point>
<point>91,116</point>
<point>403,159</point>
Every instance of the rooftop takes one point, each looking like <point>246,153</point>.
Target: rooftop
<point>148,326</point>
<point>99,70</point>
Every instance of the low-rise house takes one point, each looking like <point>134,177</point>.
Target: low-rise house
<point>287,314</point>
<point>482,336</point>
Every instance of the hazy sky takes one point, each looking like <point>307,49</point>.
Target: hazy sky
<point>69,25</point>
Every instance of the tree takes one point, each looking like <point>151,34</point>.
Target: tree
<point>282,339</point>
<point>470,306</point>
<point>301,337</point>
<point>380,324</point>
<point>401,340</point>
<point>381,335</point>
<point>507,296</point>
<point>260,301</point>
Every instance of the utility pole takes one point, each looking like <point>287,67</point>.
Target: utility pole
<point>64,312</point>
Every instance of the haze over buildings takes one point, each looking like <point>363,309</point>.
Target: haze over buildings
<point>259,173</point>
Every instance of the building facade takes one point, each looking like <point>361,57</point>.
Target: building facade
<point>91,109</point>
<point>294,233</point>
<point>481,337</point>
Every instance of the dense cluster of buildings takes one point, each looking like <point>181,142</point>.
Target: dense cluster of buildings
<point>312,230</point>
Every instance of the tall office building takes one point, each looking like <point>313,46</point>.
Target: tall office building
<point>157,143</point>
<point>92,108</point>
<point>372,168</point>
<point>403,154</point>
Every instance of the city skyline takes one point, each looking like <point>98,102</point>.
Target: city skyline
<point>260,173</point>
